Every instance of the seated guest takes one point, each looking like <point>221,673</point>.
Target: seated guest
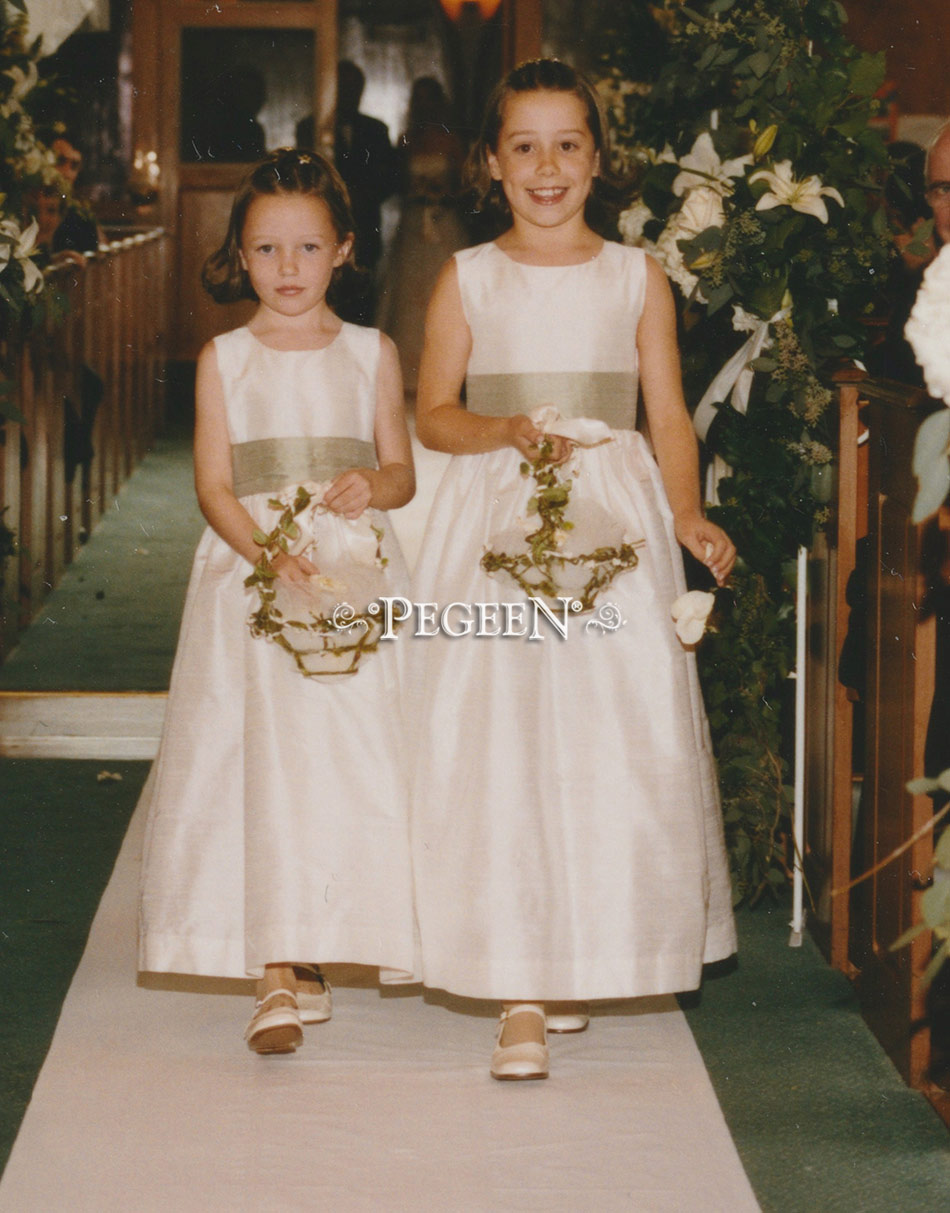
<point>77,228</point>
<point>938,183</point>
<point>922,192</point>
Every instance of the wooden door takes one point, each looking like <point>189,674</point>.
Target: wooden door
<point>180,50</point>
<point>901,635</point>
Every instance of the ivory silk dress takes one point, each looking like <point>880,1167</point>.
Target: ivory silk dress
<point>567,834</point>
<point>278,825</point>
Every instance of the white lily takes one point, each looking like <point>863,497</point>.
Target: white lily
<point>690,612</point>
<point>22,83</point>
<point>702,167</point>
<point>806,196</point>
<point>21,245</point>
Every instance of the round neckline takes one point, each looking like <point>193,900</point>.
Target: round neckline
<point>567,265</point>
<point>274,350</point>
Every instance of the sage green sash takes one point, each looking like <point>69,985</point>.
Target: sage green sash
<point>608,396</point>
<point>268,464</point>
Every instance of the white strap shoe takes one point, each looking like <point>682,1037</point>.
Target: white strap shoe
<point>275,1028</point>
<point>529,1058</point>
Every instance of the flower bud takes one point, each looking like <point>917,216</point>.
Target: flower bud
<point>763,145</point>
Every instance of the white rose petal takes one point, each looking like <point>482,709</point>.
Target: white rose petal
<point>690,612</point>
<point>632,222</point>
<point>928,329</point>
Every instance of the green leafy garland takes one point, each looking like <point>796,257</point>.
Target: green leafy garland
<point>362,628</point>
<point>536,569</point>
<point>761,193</point>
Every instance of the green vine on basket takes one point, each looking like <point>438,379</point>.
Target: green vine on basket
<point>318,638</point>
<point>537,569</point>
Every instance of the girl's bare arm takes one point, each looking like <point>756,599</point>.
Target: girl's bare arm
<point>393,483</point>
<point>671,429</point>
<point>214,481</point>
<point>442,423</point>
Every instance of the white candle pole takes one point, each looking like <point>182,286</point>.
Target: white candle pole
<point>798,825</point>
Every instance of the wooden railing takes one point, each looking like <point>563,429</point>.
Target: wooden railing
<point>89,384</point>
<point>894,631</point>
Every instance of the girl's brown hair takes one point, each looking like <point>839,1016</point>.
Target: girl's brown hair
<point>286,171</point>
<point>609,193</point>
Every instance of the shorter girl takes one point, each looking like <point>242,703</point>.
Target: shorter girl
<point>277,828</point>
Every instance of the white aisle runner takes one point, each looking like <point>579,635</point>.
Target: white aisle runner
<point>150,1101</point>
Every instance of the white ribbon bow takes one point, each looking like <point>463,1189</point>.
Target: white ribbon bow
<point>735,378</point>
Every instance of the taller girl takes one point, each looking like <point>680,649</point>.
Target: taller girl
<point>567,834</point>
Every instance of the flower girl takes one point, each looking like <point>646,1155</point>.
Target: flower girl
<point>567,835</point>
<point>277,831</point>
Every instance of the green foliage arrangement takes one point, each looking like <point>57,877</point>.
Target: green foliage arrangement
<point>762,196</point>
<point>25,165</point>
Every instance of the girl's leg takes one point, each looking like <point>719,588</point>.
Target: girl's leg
<point>275,1026</point>
<point>522,1047</point>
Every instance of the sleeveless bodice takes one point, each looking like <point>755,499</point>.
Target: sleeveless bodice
<point>561,335</point>
<point>296,415</point>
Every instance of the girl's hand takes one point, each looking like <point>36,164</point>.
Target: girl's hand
<point>525,437</point>
<point>709,544</point>
<point>293,570</point>
<point>350,493</point>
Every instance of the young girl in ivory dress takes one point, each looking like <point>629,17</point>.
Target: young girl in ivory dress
<point>567,836</point>
<point>278,826</point>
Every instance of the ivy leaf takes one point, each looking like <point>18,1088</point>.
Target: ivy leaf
<point>260,539</point>
<point>935,904</point>
<point>759,62</point>
<point>866,74</point>
<point>921,786</point>
<point>941,955</point>
<point>718,297</point>
<point>931,465</point>
<point>942,852</point>
<point>908,936</point>
<point>920,244</point>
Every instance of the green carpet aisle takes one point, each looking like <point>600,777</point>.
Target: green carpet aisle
<point>112,622</point>
<point>60,829</point>
<point>821,1119</point>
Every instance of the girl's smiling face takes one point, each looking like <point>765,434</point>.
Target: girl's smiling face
<point>290,248</point>
<point>546,159</point>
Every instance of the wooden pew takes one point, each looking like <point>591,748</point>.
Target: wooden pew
<point>108,316</point>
